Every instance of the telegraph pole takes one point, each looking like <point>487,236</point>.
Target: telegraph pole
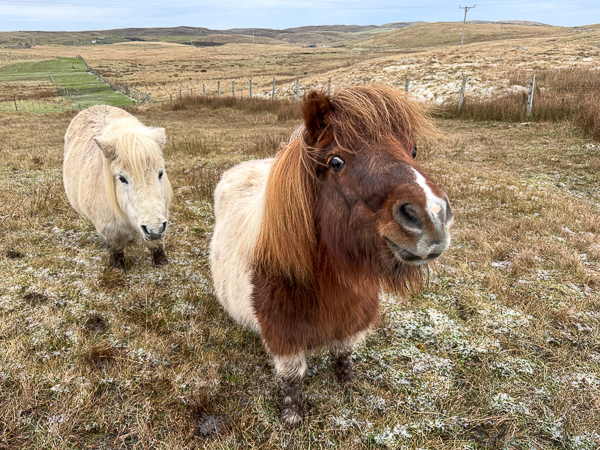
<point>466,8</point>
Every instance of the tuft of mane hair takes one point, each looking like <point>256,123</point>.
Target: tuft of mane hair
<point>375,114</point>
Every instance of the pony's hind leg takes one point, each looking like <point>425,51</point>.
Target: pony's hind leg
<point>159,258</point>
<point>341,357</point>
<point>290,372</point>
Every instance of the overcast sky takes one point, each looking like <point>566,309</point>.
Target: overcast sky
<point>76,15</point>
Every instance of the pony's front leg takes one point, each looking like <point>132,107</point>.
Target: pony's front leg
<point>115,242</point>
<point>156,248</point>
<point>341,357</point>
<point>290,372</point>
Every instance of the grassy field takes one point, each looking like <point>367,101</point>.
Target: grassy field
<point>61,82</point>
<point>501,350</point>
<point>431,35</point>
<point>428,54</point>
<point>164,69</point>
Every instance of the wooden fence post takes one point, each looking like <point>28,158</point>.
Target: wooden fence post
<point>191,92</point>
<point>203,90</point>
<point>218,88</point>
<point>233,87</point>
<point>406,83</point>
<point>530,96</point>
<point>329,87</point>
<point>297,90</point>
<point>15,99</point>
<point>273,95</point>
<point>461,99</point>
<point>170,95</point>
<point>250,88</point>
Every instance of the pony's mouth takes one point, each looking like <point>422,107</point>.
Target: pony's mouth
<point>408,257</point>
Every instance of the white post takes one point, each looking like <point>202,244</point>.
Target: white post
<point>329,87</point>
<point>406,83</point>
<point>203,90</point>
<point>462,92</point>
<point>233,88</point>
<point>530,96</point>
<point>218,88</point>
<point>297,90</point>
<point>250,88</point>
<point>273,95</point>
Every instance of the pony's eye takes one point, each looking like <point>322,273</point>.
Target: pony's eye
<point>414,152</point>
<point>122,179</point>
<point>160,174</point>
<point>336,163</point>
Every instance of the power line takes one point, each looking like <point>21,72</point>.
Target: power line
<point>466,8</point>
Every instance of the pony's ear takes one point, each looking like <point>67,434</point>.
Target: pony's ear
<point>316,107</point>
<point>160,136</point>
<point>108,146</point>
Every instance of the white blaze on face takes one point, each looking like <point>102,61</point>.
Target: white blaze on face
<point>435,204</point>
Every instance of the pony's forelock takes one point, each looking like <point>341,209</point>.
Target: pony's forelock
<point>137,150</point>
<point>375,114</point>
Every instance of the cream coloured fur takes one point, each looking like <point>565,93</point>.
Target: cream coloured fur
<point>239,202</point>
<point>102,144</point>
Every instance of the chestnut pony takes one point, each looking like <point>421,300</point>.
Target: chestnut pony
<point>304,242</point>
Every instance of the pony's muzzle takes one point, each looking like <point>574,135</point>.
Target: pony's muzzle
<point>428,226</point>
<point>154,233</point>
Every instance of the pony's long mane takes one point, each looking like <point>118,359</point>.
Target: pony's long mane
<point>286,243</point>
<point>136,149</point>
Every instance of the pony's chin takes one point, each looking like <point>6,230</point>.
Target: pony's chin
<point>406,257</point>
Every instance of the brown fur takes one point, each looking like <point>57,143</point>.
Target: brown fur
<point>320,261</point>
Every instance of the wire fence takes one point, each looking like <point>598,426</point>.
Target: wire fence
<point>35,106</point>
<point>131,92</point>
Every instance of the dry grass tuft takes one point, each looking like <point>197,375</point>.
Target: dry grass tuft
<point>284,110</point>
<point>571,95</point>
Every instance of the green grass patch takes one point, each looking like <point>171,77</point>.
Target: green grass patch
<point>80,88</point>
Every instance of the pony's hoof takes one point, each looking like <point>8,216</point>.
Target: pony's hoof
<point>291,417</point>
<point>346,377</point>
<point>160,261</point>
<point>344,371</point>
<point>158,257</point>
<point>117,261</point>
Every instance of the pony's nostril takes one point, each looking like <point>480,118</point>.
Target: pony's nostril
<point>145,230</point>
<point>163,228</point>
<point>407,215</point>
